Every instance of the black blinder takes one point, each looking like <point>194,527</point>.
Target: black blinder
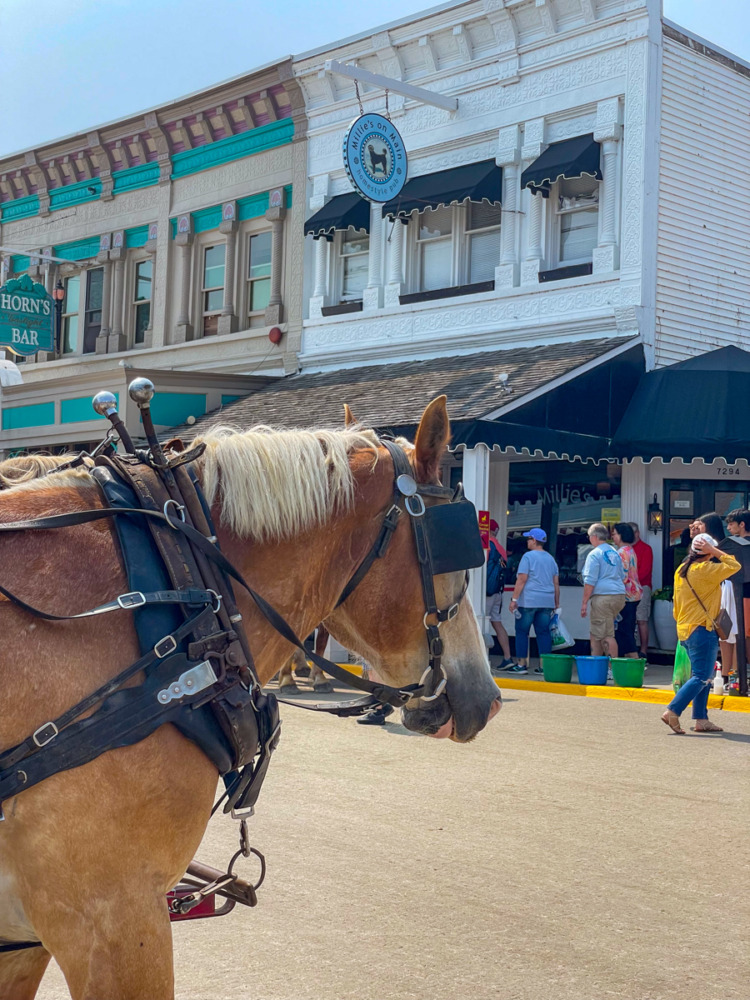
<point>453,536</point>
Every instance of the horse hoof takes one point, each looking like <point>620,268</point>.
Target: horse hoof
<point>303,671</point>
<point>324,688</point>
<point>289,689</point>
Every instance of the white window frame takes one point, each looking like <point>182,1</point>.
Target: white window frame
<point>260,227</point>
<point>81,275</point>
<point>338,265</point>
<point>132,305</point>
<point>460,239</point>
<point>554,225</point>
<point>211,239</point>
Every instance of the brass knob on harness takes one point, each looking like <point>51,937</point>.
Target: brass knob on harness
<point>141,391</point>
<point>105,403</point>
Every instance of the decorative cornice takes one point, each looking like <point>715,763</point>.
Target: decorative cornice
<point>20,208</point>
<point>144,175</point>
<point>75,194</point>
<point>234,147</point>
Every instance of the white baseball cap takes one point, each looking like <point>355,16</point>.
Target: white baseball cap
<point>704,538</point>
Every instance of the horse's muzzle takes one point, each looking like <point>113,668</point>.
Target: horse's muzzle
<point>438,719</point>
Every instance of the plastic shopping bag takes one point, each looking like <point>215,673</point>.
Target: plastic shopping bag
<point>681,667</point>
<point>561,637</point>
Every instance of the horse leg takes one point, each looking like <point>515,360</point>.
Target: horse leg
<point>21,972</point>
<point>119,948</point>
<point>321,684</point>
<point>286,677</point>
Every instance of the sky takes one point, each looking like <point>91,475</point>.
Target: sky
<point>70,65</point>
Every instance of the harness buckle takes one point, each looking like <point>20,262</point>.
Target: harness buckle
<point>45,734</point>
<point>165,646</point>
<point>415,500</point>
<point>134,599</point>
<point>436,645</point>
<point>217,601</point>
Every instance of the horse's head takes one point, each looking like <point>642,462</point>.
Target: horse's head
<point>384,618</point>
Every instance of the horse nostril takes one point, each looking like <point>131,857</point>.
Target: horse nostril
<point>495,707</point>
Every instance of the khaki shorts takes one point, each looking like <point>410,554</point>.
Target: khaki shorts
<point>494,607</point>
<point>643,611</point>
<point>604,610</point>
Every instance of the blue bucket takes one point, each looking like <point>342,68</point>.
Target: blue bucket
<point>592,669</point>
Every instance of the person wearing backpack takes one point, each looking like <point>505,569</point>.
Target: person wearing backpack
<point>497,563</point>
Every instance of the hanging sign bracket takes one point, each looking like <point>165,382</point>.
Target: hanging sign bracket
<point>333,66</point>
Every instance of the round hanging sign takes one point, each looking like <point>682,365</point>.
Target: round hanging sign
<point>375,158</point>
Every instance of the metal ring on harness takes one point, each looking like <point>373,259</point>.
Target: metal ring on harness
<point>178,507</point>
<point>420,507</point>
<point>438,690</point>
<point>217,601</point>
<point>247,853</point>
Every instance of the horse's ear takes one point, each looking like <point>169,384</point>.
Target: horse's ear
<point>349,418</point>
<point>174,444</point>
<point>433,435</point>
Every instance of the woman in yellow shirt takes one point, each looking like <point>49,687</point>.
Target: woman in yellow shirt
<point>697,601</point>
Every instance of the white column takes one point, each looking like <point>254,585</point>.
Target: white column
<point>275,308</point>
<point>476,480</point>
<point>607,133</point>
<point>183,327</point>
<point>498,495</point>
<point>633,499</point>
<point>320,290</point>
<point>372,297</point>
<point>102,341</point>
<point>228,322</point>
<point>508,157</point>
<point>395,286</point>
<point>116,339</point>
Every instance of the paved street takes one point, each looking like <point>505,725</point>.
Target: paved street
<point>575,851</point>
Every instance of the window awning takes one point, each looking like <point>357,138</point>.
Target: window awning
<point>570,158</point>
<point>473,182</point>
<point>699,408</point>
<point>345,211</point>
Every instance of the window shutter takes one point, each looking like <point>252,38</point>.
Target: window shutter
<point>484,255</point>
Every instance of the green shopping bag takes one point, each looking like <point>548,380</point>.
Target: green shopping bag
<point>681,667</point>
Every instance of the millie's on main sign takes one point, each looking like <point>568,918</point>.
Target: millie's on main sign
<point>26,316</point>
<point>375,158</point>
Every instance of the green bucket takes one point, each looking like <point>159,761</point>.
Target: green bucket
<point>558,669</point>
<point>628,673</point>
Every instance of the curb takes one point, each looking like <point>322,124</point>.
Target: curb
<point>651,696</point>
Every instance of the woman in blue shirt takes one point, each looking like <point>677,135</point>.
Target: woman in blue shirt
<point>535,597</point>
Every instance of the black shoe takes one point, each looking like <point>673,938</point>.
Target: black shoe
<point>377,716</point>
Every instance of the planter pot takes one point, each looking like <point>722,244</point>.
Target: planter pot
<point>592,669</point>
<point>664,625</point>
<point>558,669</point>
<point>627,672</point>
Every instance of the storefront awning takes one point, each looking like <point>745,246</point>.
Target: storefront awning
<point>345,211</point>
<point>570,158</point>
<point>477,182</point>
<point>698,408</point>
<point>541,442</point>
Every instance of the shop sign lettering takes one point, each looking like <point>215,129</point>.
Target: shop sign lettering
<point>26,316</point>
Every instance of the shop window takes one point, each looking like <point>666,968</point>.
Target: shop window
<point>354,257</point>
<point>482,241</point>
<point>259,278</point>
<point>435,248</point>
<point>212,290</point>
<point>92,316</point>
<point>70,318</point>
<point>577,219</point>
<point>144,271</point>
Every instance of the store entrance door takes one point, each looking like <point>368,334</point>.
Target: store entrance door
<point>686,499</point>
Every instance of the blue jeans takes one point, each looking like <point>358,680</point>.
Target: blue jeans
<point>540,618</point>
<point>702,647</point>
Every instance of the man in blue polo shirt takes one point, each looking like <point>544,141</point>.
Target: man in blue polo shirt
<point>604,587</point>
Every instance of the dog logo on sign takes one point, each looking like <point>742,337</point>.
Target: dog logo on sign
<point>375,158</point>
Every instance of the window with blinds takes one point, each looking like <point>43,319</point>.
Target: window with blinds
<point>578,212</point>
<point>354,255</point>
<point>483,239</point>
<point>435,248</point>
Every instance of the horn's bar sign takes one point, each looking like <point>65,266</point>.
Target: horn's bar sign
<point>375,158</point>
<point>26,316</point>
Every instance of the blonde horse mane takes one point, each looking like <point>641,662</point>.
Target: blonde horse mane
<point>270,483</point>
<point>26,468</point>
<point>273,484</point>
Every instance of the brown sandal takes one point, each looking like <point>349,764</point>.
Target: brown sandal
<point>706,726</point>
<point>672,720</point>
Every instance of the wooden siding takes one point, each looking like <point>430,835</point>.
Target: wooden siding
<point>703,253</point>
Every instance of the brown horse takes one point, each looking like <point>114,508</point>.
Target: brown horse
<point>87,856</point>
